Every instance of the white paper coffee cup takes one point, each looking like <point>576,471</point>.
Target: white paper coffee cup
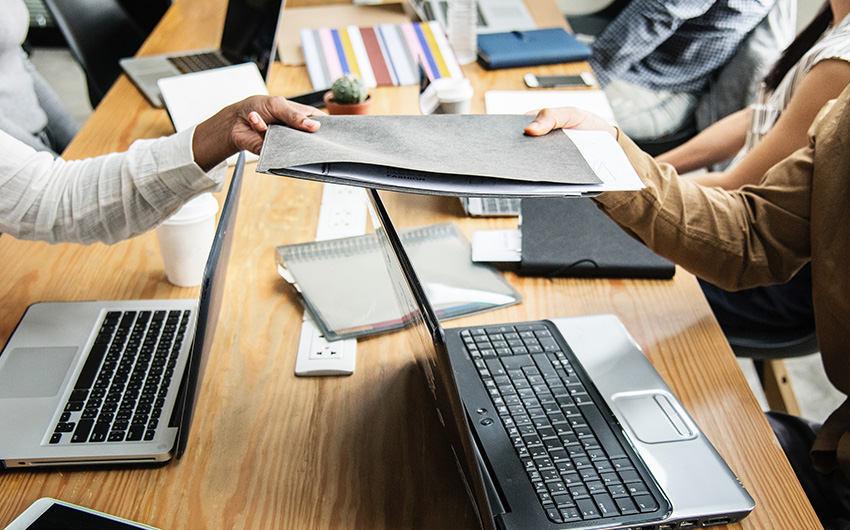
<point>454,95</point>
<point>185,239</point>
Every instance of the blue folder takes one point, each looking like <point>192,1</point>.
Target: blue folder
<point>514,49</point>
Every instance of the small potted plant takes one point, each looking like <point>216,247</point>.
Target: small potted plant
<point>348,95</point>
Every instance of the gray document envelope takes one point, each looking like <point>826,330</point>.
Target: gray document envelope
<point>458,155</point>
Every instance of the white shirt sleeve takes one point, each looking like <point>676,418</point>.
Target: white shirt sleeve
<point>107,198</point>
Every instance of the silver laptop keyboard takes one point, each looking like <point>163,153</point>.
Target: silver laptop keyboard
<point>574,461</point>
<point>121,389</point>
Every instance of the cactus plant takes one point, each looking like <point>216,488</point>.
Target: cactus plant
<point>349,89</point>
<point>348,95</point>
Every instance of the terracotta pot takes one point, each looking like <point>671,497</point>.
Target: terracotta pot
<point>348,108</point>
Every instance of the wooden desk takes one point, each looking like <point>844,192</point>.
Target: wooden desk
<point>270,450</point>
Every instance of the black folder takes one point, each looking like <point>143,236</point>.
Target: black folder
<point>572,237</point>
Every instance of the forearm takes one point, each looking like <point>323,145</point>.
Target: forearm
<point>717,143</point>
<point>752,168</point>
<point>213,140</point>
<point>723,237</point>
<point>107,198</point>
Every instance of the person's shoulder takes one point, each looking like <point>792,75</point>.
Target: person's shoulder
<point>835,44</point>
<point>832,117</point>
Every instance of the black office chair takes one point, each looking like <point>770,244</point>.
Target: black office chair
<point>662,144</point>
<point>593,23</point>
<point>99,33</point>
<point>146,13</point>
<point>768,352</point>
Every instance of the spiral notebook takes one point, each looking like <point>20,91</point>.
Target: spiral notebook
<point>345,286</point>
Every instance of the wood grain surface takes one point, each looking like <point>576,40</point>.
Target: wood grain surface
<point>271,450</point>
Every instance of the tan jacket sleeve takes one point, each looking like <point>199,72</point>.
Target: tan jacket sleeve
<point>741,239</point>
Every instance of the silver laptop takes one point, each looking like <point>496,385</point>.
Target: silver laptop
<point>562,423</point>
<point>494,16</point>
<point>249,35</point>
<point>84,383</point>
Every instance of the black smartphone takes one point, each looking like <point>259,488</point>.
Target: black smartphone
<point>314,99</point>
<point>582,80</point>
<point>50,514</point>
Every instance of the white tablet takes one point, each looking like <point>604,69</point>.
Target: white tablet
<point>50,514</point>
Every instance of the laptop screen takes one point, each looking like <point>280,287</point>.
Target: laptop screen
<point>209,306</point>
<point>249,32</point>
<point>427,341</point>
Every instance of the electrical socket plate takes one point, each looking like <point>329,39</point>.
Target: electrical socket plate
<point>316,356</point>
<point>342,214</point>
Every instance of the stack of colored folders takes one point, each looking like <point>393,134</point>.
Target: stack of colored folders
<point>384,55</point>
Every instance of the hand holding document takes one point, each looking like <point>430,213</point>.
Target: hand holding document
<point>524,101</point>
<point>447,154</point>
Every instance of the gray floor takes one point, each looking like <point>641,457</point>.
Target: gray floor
<point>66,77</point>
<point>816,395</point>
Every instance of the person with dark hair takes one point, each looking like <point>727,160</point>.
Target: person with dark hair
<point>814,69</point>
<point>757,235</point>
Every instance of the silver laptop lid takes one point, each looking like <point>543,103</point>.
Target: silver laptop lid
<point>209,306</point>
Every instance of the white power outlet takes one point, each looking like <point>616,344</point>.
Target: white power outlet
<point>337,220</point>
<point>316,356</point>
<point>326,352</point>
<point>342,214</point>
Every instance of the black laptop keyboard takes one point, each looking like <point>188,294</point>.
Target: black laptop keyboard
<point>198,62</point>
<point>121,389</point>
<point>575,463</point>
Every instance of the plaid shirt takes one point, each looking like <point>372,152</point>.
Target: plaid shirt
<point>673,45</point>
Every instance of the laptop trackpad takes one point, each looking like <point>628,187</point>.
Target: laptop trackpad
<point>35,372</point>
<point>653,418</point>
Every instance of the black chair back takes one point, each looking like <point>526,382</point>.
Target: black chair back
<point>99,33</point>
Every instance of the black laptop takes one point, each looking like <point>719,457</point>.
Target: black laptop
<point>562,423</point>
